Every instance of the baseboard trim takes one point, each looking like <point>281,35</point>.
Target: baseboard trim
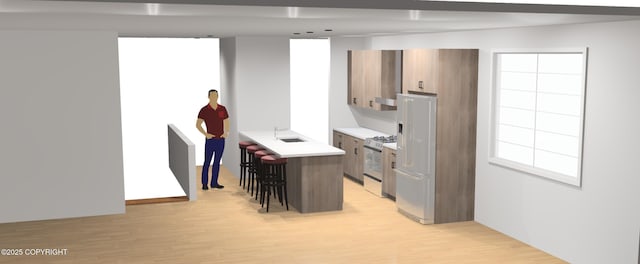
<point>157,200</point>
<point>353,179</point>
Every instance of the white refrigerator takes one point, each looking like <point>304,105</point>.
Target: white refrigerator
<point>416,157</point>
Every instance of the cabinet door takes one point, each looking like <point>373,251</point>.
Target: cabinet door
<point>356,65</point>
<point>372,78</point>
<point>337,140</point>
<point>349,157</point>
<point>420,70</point>
<point>389,175</point>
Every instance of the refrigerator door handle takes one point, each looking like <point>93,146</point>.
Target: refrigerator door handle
<point>408,157</point>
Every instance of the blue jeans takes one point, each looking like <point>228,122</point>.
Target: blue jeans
<point>212,146</point>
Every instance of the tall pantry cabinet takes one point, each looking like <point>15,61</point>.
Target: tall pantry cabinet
<point>452,75</point>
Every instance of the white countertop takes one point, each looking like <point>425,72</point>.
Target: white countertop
<point>360,132</point>
<point>308,148</point>
<point>393,146</point>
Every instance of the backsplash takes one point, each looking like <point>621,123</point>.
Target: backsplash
<point>383,121</point>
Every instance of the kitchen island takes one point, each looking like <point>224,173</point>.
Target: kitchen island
<point>314,169</point>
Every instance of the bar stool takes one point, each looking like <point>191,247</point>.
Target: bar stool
<point>260,170</point>
<point>251,150</point>
<point>274,177</point>
<point>244,161</point>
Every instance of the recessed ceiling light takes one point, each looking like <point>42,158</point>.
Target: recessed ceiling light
<point>153,9</point>
<point>292,12</point>
<point>414,14</point>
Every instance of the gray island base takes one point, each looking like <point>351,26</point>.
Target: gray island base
<point>314,169</point>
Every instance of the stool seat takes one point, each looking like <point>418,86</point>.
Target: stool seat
<point>262,153</point>
<point>270,159</point>
<point>253,148</point>
<point>245,144</point>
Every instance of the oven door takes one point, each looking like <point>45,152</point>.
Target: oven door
<point>372,179</point>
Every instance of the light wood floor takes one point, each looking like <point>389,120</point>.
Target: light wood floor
<point>226,226</point>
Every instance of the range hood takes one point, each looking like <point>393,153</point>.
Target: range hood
<point>386,101</point>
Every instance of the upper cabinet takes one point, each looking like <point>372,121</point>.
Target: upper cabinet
<point>420,70</point>
<point>374,76</point>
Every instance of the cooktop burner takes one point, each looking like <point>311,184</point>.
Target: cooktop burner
<point>389,139</point>
<point>376,142</point>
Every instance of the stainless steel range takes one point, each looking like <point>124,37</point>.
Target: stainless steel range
<point>373,163</point>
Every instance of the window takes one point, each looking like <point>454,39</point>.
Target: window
<point>537,112</point>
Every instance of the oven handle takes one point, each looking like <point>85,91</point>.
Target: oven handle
<point>374,149</point>
<point>373,178</point>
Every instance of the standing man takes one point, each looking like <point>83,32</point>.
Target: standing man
<point>216,118</point>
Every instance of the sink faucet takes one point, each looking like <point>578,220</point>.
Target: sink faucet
<point>276,129</point>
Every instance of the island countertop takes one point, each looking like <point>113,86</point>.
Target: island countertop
<point>307,148</point>
<point>314,170</point>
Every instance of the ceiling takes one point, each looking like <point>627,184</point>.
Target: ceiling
<point>249,17</point>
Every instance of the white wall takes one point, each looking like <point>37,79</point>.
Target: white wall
<point>255,74</point>
<point>61,143</point>
<point>598,223</point>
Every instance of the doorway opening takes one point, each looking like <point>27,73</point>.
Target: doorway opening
<point>162,81</point>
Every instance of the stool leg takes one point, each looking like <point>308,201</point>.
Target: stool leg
<point>267,171</point>
<point>279,185</point>
<point>242,165</point>
<point>268,195</point>
<point>252,174</point>
<point>261,170</point>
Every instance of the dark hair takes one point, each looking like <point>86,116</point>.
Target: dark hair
<point>212,90</point>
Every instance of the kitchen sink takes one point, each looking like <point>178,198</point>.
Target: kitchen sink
<point>292,140</point>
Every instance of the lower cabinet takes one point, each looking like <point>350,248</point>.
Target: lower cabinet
<point>353,158</point>
<point>388,173</point>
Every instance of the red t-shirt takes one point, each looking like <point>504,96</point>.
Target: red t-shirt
<point>214,118</point>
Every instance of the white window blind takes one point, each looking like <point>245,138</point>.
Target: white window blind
<point>538,102</point>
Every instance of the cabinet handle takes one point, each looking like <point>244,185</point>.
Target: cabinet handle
<point>354,101</point>
<point>370,103</point>
<point>355,150</point>
<point>340,145</point>
<point>393,164</point>
<point>420,85</point>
